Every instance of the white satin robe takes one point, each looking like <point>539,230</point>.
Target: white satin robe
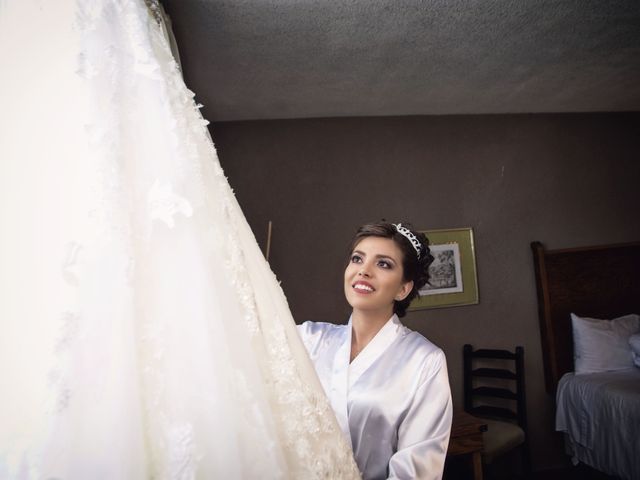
<point>393,402</point>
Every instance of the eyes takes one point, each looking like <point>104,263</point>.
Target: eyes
<point>382,263</point>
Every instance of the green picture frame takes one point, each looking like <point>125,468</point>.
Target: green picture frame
<point>454,279</point>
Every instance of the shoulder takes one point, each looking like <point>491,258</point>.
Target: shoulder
<point>419,343</point>
<point>314,333</point>
<point>430,357</point>
<point>320,328</point>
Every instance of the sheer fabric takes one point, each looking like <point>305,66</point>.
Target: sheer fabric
<point>143,334</point>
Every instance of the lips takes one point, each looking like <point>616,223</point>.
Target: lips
<point>363,287</point>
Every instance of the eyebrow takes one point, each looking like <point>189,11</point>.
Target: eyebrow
<point>360,252</point>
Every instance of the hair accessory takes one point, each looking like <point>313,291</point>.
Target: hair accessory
<point>415,243</point>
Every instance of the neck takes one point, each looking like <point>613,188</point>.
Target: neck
<point>365,326</point>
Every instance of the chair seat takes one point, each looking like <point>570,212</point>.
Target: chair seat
<point>499,438</point>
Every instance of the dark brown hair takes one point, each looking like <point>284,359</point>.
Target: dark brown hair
<point>413,268</point>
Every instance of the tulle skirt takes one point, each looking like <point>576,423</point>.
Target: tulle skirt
<point>143,334</point>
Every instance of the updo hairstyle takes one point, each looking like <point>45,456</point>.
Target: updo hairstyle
<point>414,269</point>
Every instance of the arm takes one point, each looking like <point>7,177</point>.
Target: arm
<point>423,435</point>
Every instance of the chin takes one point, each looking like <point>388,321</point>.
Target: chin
<point>359,303</point>
<point>369,307</point>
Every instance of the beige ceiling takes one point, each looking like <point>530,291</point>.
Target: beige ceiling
<point>263,59</point>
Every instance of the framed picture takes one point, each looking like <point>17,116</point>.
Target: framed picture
<point>453,279</point>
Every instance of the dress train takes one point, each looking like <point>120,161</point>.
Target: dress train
<point>143,333</point>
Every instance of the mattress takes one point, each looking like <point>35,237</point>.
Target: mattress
<point>600,414</point>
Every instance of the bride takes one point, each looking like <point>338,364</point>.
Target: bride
<point>143,334</point>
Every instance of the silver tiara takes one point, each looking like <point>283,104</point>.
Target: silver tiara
<point>409,236</point>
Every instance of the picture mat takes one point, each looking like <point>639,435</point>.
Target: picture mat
<point>463,237</point>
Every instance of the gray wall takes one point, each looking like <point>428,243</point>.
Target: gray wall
<point>566,180</point>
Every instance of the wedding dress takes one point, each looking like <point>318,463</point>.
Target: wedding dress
<point>142,333</point>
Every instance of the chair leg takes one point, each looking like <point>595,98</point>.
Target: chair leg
<point>477,465</point>
<point>526,460</point>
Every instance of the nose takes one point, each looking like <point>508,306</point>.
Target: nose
<point>363,272</point>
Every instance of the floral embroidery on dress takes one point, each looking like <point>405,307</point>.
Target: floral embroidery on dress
<point>182,462</point>
<point>164,204</point>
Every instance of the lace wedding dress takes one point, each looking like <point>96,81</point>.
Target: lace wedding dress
<point>142,334</point>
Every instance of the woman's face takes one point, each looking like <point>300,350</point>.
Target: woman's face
<point>373,278</point>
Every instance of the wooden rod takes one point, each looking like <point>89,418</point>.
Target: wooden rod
<point>268,240</point>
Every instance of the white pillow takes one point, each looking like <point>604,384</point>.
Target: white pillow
<point>634,341</point>
<point>603,345</point>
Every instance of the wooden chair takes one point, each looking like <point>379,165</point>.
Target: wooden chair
<point>495,392</point>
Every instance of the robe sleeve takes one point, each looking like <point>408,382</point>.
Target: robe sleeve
<point>310,335</point>
<point>423,435</point>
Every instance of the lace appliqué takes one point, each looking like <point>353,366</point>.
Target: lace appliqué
<point>69,326</point>
<point>315,423</point>
<point>164,204</point>
<point>70,272</point>
<point>182,462</point>
<point>239,279</point>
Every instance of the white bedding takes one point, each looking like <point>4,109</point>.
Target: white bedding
<point>600,413</point>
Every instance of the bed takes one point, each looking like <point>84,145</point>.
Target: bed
<point>598,412</point>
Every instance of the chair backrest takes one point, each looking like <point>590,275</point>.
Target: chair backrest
<point>495,374</point>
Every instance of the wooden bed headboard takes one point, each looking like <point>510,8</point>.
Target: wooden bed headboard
<point>599,282</point>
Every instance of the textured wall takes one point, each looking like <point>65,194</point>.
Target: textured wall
<point>566,180</point>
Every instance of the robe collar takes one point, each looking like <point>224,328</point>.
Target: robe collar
<point>345,374</point>
<point>378,344</point>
